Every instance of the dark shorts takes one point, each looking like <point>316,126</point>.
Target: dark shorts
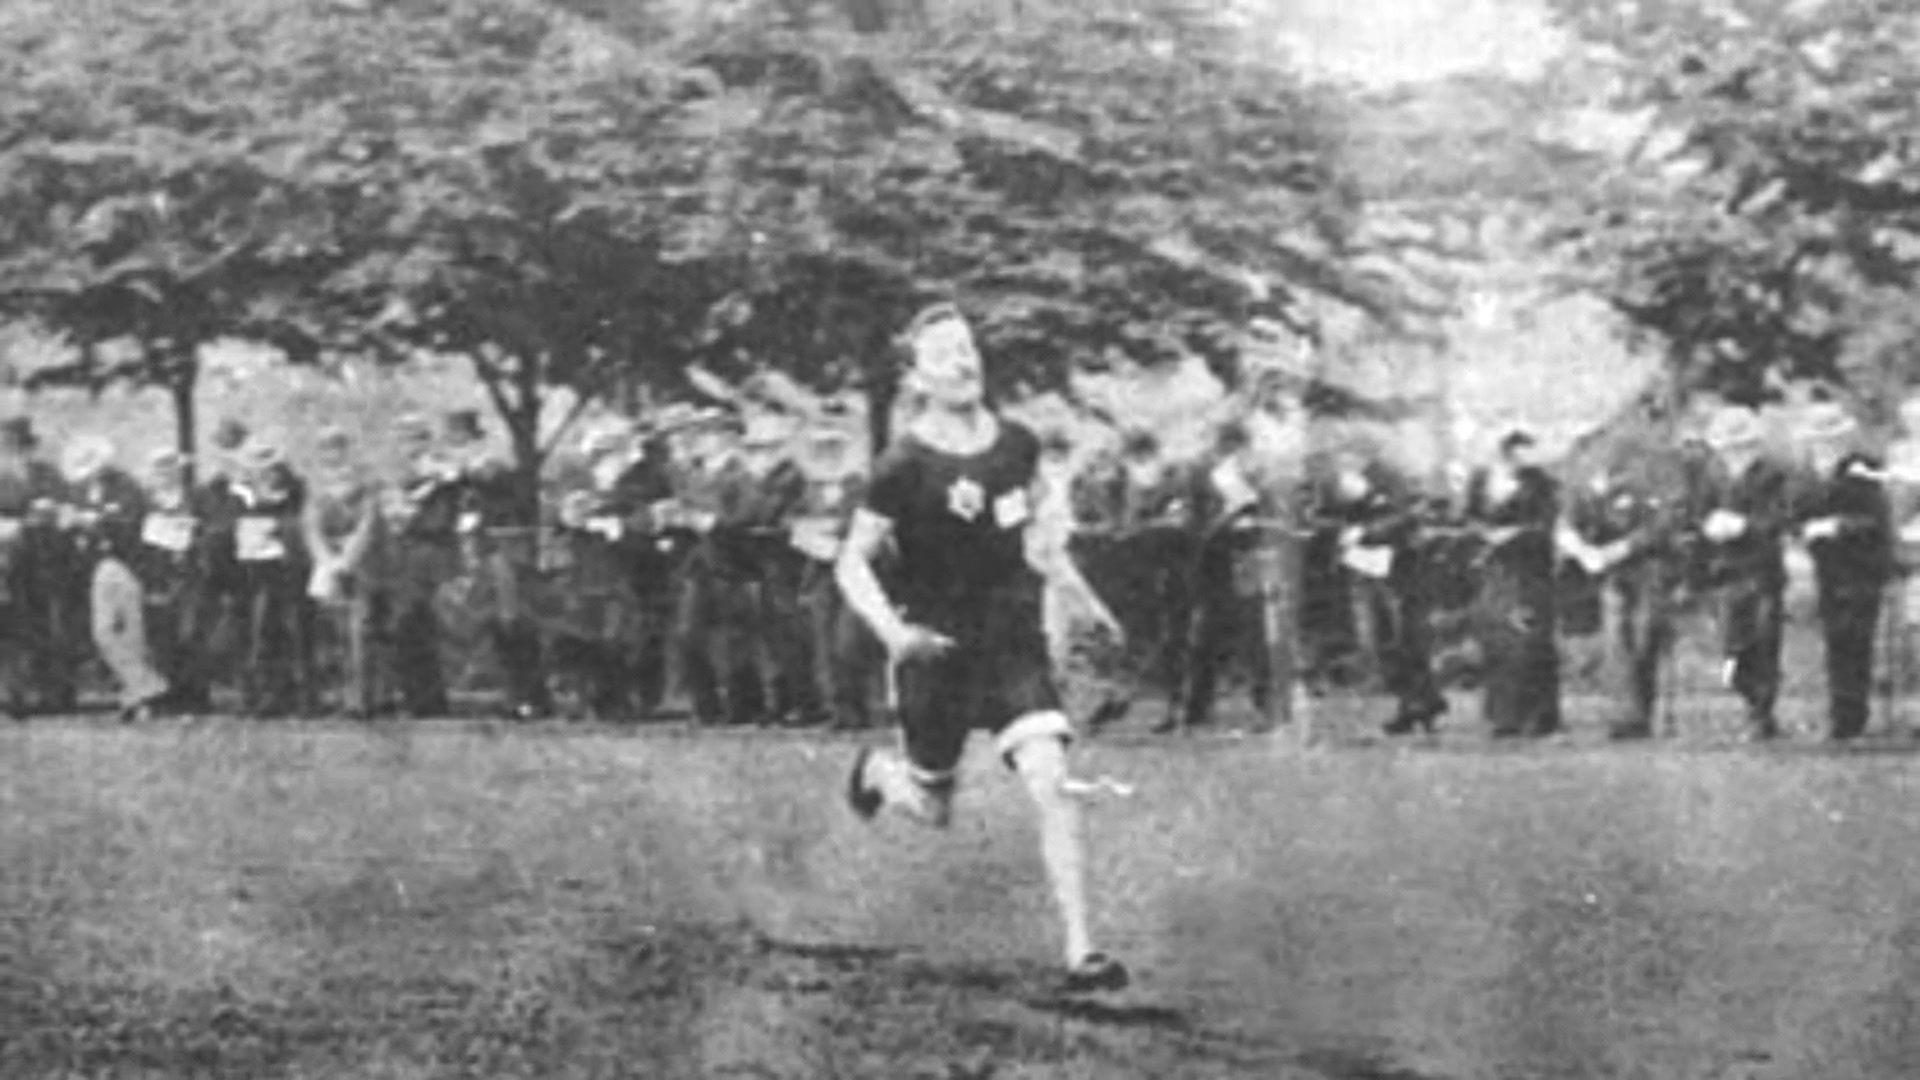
<point>998,673</point>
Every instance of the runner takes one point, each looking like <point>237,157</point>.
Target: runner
<point>955,497</point>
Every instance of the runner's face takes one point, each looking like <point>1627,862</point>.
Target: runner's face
<point>947,364</point>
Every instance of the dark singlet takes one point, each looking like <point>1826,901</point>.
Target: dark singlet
<point>959,520</point>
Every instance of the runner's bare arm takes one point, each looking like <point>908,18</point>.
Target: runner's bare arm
<point>867,536</point>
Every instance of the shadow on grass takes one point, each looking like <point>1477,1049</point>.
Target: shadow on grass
<point>1356,1065</point>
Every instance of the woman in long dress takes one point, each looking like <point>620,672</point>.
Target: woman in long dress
<point>1514,504</point>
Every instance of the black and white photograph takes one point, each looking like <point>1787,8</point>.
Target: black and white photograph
<point>959,539</point>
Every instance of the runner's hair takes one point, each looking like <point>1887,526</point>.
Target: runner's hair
<point>923,320</point>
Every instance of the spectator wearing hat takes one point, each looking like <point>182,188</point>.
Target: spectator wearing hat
<point>1155,554</point>
<point>1847,524</point>
<point>173,565</point>
<point>1330,603</point>
<point>762,659</point>
<point>1746,514</point>
<point>1903,493</point>
<point>501,539</point>
<point>599,539</point>
<point>701,460</point>
<point>1225,622</point>
<point>275,572</point>
<point>343,529</point>
<point>20,623</point>
<point>643,497</point>
<point>1513,506</point>
<point>843,657</point>
<point>36,670</point>
<point>1376,515</point>
<point>106,508</point>
<point>421,514</point>
<point>219,504</point>
<point>1630,527</point>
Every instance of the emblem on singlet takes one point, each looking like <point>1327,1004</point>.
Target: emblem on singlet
<point>966,499</point>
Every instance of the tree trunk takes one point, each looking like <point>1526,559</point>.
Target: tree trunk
<point>186,380</point>
<point>516,399</point>
<point>525,429</point>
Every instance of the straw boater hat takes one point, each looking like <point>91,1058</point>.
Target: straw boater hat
<point>605,438</point>
<point>766,431</point>
<point>166,462</point>
<point>1734,428</point>
<point>262,456</point>
<point>86,458</point>
<point>1826,422</point>
<point>412,426</point>
<point>713,419</point>
<point>674,418</point>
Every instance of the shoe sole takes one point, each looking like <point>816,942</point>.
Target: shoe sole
<point>1108,978</point>
<point>1081,987</point>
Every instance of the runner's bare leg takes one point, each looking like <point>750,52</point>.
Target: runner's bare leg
<point>1042,765</point>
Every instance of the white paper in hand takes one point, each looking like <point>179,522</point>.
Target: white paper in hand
<point>1368,560</point>
<point>258,539</point>
<point>168,532</point>
<point>1724,525</point>
<point>816,539</point>
<point>327,585</point>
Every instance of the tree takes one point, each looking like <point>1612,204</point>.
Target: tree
<point>1092,182</point>
<point>1773,203</point>
<point>145,185</point>
<point>515,191</point>
<point>462,175</point>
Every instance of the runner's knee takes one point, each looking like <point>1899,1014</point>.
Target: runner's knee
<point>1035,746</point>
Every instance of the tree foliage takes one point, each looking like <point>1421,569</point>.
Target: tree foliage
<point>513,201</point>
<point>589,193</point>
<point>149,188</point>
<point>1772,207</point>
<point>1092,182</point>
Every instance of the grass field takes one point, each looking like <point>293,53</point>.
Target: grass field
<point>303,901</point>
